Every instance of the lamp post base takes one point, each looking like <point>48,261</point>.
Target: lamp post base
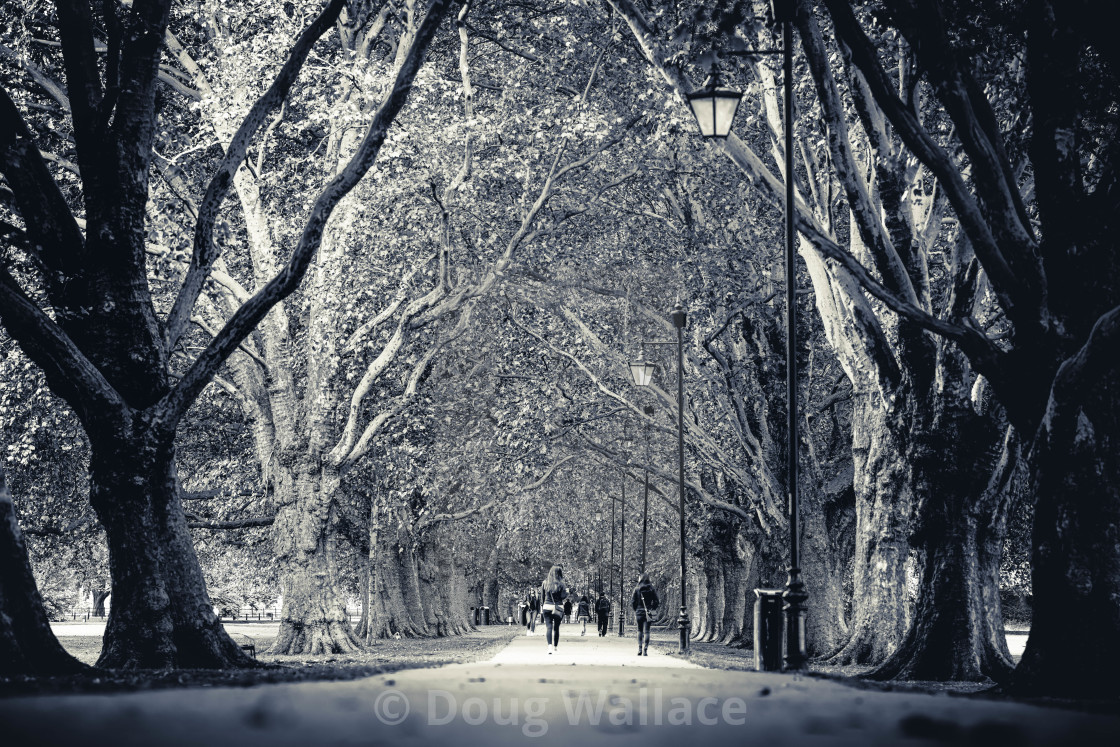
<point>794,607</point>
<point>684,625</point>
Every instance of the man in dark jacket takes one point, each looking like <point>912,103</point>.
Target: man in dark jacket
<point>602,613</point>
<point>644,602</point>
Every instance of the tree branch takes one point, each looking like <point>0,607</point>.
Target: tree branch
<point>256,521</point>
<point>205,251</point>
<point>245,319</point>
<point>48,221</point>
<point>70,374</point>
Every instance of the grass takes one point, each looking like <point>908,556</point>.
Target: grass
<point>379,658</point>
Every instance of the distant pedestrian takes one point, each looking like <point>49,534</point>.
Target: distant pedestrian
<point>554,592</point>
<point>567,610</point>
<point>644,602</point>
<point>583,613</point>
<point>534,611</point>
<point>602,613</point>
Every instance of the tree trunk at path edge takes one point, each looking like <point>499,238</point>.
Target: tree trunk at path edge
<point>447,614</point>
<point>362,629</point>
<point>390,615</point>
<point>827,541</point>
<point>1073,649</point>
<point>957,630</point>
<point>313,619</point>
<point>880,607</point>
<point>162,616</point>
<point>27,645</point>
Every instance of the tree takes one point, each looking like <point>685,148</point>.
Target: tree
<point>27,645</point>
<point>897,368</point>
<point>1050,264</point>
<point>105,350</point>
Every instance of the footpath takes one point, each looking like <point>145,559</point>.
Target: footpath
<point>592,691</point>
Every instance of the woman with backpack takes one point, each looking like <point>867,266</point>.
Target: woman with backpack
<point>583,613</point>
<point>553,594</point>
<point>644,602</point>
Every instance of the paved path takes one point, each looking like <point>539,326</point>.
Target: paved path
<point>594,691</point>
<point>585,651</point>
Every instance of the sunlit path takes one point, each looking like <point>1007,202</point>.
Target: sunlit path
<point>589,650</point>
<point>594,691</point>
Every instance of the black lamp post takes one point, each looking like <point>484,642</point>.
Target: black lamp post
<point>648,410</point>
<point>642,373</point>
<point>610,567</point>
<point>622,566</point>
<point>714,112</point>
<point>599,557</point>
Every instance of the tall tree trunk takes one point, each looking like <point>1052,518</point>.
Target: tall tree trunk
<point>440,581</point>
<point>99,598</point>
<point>880,609</point>
<point>882,480</point>
<point>389,615</point>
<point>1073,649</point>
<point>736,574</point>
<point>162,616</point>
<point>27,644</point>
<point>313,619</point>
<point>390,612</point>
<point>362,629</point>
<point>409,576</point>
<point>490,590</point>
<point>957,632</point>
<point>828,546</point>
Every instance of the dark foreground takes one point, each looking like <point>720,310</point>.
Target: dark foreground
<point>592,691</point>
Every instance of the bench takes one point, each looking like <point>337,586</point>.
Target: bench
<point>250,647</point>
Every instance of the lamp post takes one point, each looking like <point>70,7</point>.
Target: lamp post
<point>642,374</point>
<point>648,410</point>
<point>715,108</point>
<point>622,566</point>
<point>599,557</point>
<point>621,558</point>
<point>611,566</point>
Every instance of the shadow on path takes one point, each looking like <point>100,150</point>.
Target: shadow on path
<point>593,691</point>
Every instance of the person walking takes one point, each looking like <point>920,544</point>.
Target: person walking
<point>554,592</point>
<point>583,613</point>
<point>567,610</point>
<point>534,611</point>
<point>602,613</point>
<point>644,602</point>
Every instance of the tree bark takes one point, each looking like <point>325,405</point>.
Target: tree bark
<point>828,546</point>
<point>162,616</point>
<point>880,609</point>
<point>1073,649</point>
<point>313,619</point>
<point>99,598</point>
<point>362,629</point>
<point>957,632</point>
<point>882,480</point>
<point>27,644</point>
<point>390,614</point>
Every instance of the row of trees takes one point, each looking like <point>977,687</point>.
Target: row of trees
<point>452,374</point>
